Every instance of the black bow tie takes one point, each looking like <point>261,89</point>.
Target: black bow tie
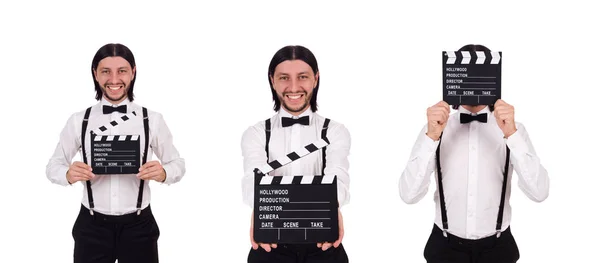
<point>285,121</point>
<point>109,109</point>
<point>466,118</point>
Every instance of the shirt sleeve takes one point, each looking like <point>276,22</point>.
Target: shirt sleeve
<point>533,177</point>
<point>337,160</point>
<point>255,156</point>
<point>68,145</point>
<point>162,146</point>
<point>415,179</point>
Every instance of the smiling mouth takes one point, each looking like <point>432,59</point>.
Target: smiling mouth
<point>114,87</point>
<point>294,96</point>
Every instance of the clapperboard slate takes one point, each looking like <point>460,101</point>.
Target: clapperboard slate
<point>295,209</point>
<point>471,77</point>
<point>115,154</point>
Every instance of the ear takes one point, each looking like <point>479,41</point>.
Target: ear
<point>133,77</point>
<point>272,82</point>
<point>316,79</point>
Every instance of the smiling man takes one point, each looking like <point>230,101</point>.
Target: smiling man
<point>294,79</point>
<point>117,139</point>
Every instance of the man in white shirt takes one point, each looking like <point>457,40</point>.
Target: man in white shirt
<point>115,220</point>
<point>294,79</point>
<point>473,163</point>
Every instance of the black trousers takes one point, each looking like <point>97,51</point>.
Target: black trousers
<point>453,249</point>
<point>130,238</point>
<point>298,253</point>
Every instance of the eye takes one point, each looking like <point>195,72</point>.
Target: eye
<point>122,71</point>
<point>104,71</point>
<point>283,78</point>
<point>303,77</point>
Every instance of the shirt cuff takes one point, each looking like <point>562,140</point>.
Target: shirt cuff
<point>428,144</point>
<point>63,179</point>
<point>516,142</point>
<point>168,175</point>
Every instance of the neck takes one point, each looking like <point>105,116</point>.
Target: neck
<point>115,102</point>
<point>295,113</point>
<point>475,108</point>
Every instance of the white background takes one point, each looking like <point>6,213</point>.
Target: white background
<point>204,67</point>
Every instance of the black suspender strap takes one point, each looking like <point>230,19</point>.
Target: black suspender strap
<point>88,184</point>
<point>268,136</point>
<point>503,194</point>
<point>441,188</point>
<point>144,158</point>
<point>441,191</point>
<point>324,137</point>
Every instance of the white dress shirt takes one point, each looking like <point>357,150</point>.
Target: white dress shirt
<point>288,139</point>
<point>116,194</point>
<point>472,158</point>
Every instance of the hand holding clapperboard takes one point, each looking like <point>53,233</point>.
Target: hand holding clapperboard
<point>295,209</point>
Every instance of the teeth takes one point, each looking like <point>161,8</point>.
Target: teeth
<point>294,96</point>
<point>114,87</point>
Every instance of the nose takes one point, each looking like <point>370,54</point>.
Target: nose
<point>113,79</point>
<point>295,87</point>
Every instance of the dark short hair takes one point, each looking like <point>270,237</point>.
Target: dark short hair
<point>113,50</point>
<point>293,53</point>
<point>473,48</point>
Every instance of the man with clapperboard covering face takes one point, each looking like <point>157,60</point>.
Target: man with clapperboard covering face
<point>117,139</point>
<point>294,78</point>
<point>472,154</point>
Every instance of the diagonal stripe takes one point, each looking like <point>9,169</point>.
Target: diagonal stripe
<point>495,57</point>
<point>293,156</point>
<point>307,179</point>
<point>311,147</point>
<point>301,152</point>
<point>451,57</point>
<point>287,179</point>
<point>122,138</point>
<point>321,143</point>
<point>327,179</point>
<point>266,169</point>
<point>466,57</point>
<point>275,164</point>
<point>266,180</point>
<point>109,138</point>
<point>135,137</point>
<point>283,161</point>
<point>480,57</point>
<point>97,138</point>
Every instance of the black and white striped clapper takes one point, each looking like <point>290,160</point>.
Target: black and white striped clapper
<point>295,209</point>
<point>115,154</point>
<point>471,77</point>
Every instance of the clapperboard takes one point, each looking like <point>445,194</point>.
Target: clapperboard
<point>115,154</point>
<point>295,209</point>
<point>471,77</point>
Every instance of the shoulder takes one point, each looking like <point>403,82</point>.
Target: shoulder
<point>334,128</point>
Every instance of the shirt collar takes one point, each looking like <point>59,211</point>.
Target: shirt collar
<point>103,101</point>
<point>308,112</point>
<point>484,110</point>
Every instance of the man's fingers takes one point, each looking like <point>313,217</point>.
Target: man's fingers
<point>337,243</point>
<point>274,245</point>
<point>77,171</point>
<point>149,172</point>
<point>266,247</point>
<point>326,246</point>
<point>319,245</point>
<point>149,165</point>
<point>150,175</point>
